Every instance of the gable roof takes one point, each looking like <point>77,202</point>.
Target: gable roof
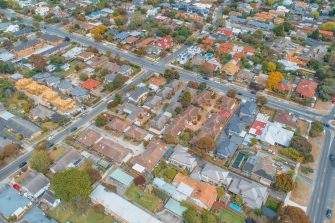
<point>89,84</point>
<point>307,88</point>
<point>284,117</point>
<point>89,137</point>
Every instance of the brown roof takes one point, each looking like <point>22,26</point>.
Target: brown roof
<point>89,137</point>
<point>136,133</point>
<point>146,42</point>
<point>117,125</point>
<point>99,61</point>
<point>111,67</point>
<point>152,155</point>
<point>285,118</point>
<point>307,88</point>
<point>111,150</point>
<point>203,98</point>
<point>204,192</point>
<point>227,103</point>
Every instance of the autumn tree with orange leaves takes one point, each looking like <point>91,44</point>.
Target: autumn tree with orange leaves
<point>274,79</point>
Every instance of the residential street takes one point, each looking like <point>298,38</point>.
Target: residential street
<point>323,194</point>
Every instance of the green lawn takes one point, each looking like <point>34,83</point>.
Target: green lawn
<point>146,200</point>
<point>227,216</point>
<point>273,204</point>
<point>63,215</point>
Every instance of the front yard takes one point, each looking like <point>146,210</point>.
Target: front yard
<point>65,212</point>
<point>273,204</point>
<point>301,194</point>
<point>228,216</point>
<point>143,198</point>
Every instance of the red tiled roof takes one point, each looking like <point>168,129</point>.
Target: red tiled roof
<point>208,41</point>
<point>226,32</point>
<point>307,88</point>
<point>164,43</point>
<point>284,87</point>
<point>326,33</point>
<point>258,127</point>
<point>89,84</point>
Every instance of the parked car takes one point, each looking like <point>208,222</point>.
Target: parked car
<point>331,157</point>
<point>22,164</point>
<point>326,125</point>
<point>329,213</point>
<point>73,129</point>
<point>205,78</point>
<point>51,144</point>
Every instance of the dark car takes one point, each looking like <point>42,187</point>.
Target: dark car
<point>22,164</point>
<point>326,125</point>
<point>331,157</point>
<point>329,213</point>
<point>206,78</point>
<point>51,144</point>
<point>253,92</point>
<point>73,129</point>
<point>239,93</point>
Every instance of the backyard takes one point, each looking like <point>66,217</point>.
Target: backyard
<point>143,198</point>
<point>227,216</point>
<point>67,213</point>
<point>273,204</point>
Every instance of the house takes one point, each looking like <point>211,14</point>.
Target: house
<point>306,88</point>
<point>203,99</point>
<point>51,39</point>
<point>201,194</point>
<point>245,76</point>
<point>285,119</point>
<point>120,207</point>
<point>158,123</point>
<point>182,158</point>
<point>79,93</point>
<point>85,56</point>
<point>261,168</point>
<point>214,175</point>
<point>231,68</point>
<point>155,50</point>
<point>34,184</point>
<point>16,204</point>
<point>183,120</point>
<point>284,87</point>
<point>147,161</point>
<point>111,67</point>
<point>133,112</point>
<point>125,70</point>
<point>36,215</point>
<point>146,42</point>
<point>112,150</point>
<point>118,126</point>
<point>164,43</point>
<point>138,95</point>
<point>156,82</point>
<point>27,47</point>
<point>274,134</point>
<point>90,84</point>
<point>235,126</point>
<point>42,10</point>
<point>252,193</point>
<point>48,198</point>
<point>247,112</point>
<point>152,103</point>
<point>97,62</point>
<point>259,124</point>
<point>227,146</point>
<point>122,177</point>
<point>6,56</point>
<point>70,159</point>
<point>41,112</point>
<point>89,137</point>
<point>137,134</point>
<point>23,32</point>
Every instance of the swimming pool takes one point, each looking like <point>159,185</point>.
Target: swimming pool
<point>235,207</point>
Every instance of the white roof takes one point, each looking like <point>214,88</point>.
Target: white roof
<point>275,133</point>
<point>138,168</point>
<point>185,189</point>
<point>6,115</point>
<point>119,206</point>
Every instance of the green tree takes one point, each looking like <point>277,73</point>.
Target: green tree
<point>208,217</point>
<point>284,183</point>
<point>206,143</point>
<point>118,98</point>
<point>57,59</point>
<point>40,161</point>
<point>71,185</point>
<point>301,144</point>
<point>292,214</point>
<point>316,129</point>
<point>279,30</point>
<point>191,215</point>
<point>186,98</point>
<point>101,120</point>
<point>83,77</point>
<point>231,93</point>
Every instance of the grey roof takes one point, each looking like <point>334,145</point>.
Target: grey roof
<point>65,85</point>
<point>52,79</point>
<point>49,196</point>
<point>41,76</point>
<point>138,93</point>
<point>13,201</point>
<point>165,92</point>
<point>70,158</point>
<point>260,24</point>
<point>36,215</point>
<point>229,146</point>
<point>121,36</point>
<point>235,125</point>
<point>41,112</point>
<point>124,69</point>
<point>16,76</point>
<point>22,126</point>
<point>153,101</point>
<point>55,49</point>
<point>181,155</point>
<point>79,92</point>
<point>34,182</point>
<point>248,108</point>
<point>51,38</point>
<point>159,121</point>
<point>110,77</point>
<point>26,45</point>
<point>250,164</point>
<point>23,31</point>
<point>252,193</point>
<point>111,32</point>
<point>215,173</point>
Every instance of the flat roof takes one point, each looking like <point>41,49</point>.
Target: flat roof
<point>114,204</point>
<point>175,207</point>
<point>122,177</point>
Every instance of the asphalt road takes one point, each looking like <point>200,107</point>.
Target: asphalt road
<point>323,185</point>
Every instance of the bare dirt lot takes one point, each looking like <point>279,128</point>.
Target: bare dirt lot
<point>323,107</point>
<point>298,195</point>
